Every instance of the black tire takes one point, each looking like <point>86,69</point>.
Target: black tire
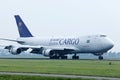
<point>100,57</point>
<point>51,57</point>
<point>54,57</point>
<point>63,57</point>
<point>75,57</point>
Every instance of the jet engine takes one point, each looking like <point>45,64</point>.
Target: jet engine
<point>48,52</point>
<point>15,50</point>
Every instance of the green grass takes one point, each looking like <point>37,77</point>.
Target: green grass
<point>16,77</point>
<point>76,67</point>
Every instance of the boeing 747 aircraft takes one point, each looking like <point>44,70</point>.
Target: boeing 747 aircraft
<point>58,48</point>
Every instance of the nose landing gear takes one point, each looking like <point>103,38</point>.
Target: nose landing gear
<point>100,57</point>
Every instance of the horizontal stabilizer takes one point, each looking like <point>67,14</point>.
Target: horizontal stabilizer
<point>11,40</point>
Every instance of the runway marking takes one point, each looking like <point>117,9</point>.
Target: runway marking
<point>59,75</point>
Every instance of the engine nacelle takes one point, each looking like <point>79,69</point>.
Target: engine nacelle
<point>48,52</point>
<point>15,50</point>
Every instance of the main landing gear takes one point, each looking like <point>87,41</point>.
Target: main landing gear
<point>54,57</point>
<point>100,57</point>
<point>58,57</point>
<point>75,57</point>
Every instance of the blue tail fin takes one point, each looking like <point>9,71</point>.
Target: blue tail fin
<point>23,30</point>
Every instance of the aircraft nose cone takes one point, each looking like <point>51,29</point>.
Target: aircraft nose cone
<point>110,44</point>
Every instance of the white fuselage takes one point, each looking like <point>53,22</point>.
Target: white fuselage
<point>85,44</point>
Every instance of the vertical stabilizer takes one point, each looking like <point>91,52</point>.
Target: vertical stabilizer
<point>23,30</point>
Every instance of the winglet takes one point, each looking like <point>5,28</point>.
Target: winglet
<point>22,28</point>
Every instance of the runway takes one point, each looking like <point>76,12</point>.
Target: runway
<point>59,75</point>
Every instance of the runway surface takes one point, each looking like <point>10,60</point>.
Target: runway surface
<point>59,75</point>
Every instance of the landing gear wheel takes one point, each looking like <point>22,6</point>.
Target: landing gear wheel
<point>54,57</point>
<point>75,57</point>
<point>100,57</point>
<point>63,57</point>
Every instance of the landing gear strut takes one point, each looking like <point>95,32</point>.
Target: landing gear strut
<point>100,57</point>
<point>75,57</point>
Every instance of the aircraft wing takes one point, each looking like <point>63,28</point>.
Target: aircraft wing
<point>38,49</point>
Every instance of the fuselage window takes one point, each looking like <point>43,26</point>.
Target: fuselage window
<point>88,41</point>
<point>102,35</point>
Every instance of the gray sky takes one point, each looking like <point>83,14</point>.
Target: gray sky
<point>62,18</point>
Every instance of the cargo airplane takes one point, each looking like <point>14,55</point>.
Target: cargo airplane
<point>58,48</point>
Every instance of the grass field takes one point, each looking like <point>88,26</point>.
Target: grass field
<point>76,67</point>
<point>16,77</point>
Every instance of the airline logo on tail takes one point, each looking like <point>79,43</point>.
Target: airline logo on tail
<point>20,24</point>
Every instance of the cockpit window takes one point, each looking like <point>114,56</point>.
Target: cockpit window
<point>102,35</point>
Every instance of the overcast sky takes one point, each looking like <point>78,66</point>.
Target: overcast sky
<point>62,18</point>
